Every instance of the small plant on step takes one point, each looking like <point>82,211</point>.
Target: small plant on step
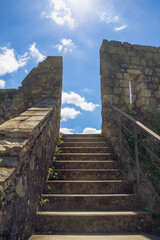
<point>60,141</point>
<point>50,172</point>
<point>145,206</point>
<point>52,175</point>
<point>60,135</point>
<point>59,117</point>
<point>54,159</point>
<point>58,150</point>
<point>50,190</point>
<point>43,202</point>
<point>55,176</point>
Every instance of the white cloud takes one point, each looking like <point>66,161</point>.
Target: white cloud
<point>76,99</point>
<point>2,84</point>
<point>120,28</point>
<point>66,130</point>
<point>35,53</point>
<point>60,13</point>
<point>90,130</point>
<point>66,45</point>
<point>108,18</point>
<point>69,113</point>
<point>8,61</point>
<point>26,71</point>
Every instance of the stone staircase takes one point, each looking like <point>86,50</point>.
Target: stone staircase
<point>92,194</point>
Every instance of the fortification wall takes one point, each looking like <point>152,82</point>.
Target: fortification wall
<point>42,82</point>
<point>121,63</point>
<point>27,144</point>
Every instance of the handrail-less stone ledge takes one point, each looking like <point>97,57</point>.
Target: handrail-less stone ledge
<point>27,145</point>
<point>23,129</point>
<point>27,122</point>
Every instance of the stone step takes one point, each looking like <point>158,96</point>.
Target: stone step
<point>126,236</point>
<point>86,156</point>
<point>86,150</point>
<point>86,164</point>
<point>93,222</point>
<point>85,144</point>
<point>90,186</point>
<point>86,139</point>
<point>88,174</point>
<point>91,202</point>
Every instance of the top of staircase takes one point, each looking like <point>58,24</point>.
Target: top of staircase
<point>82,135</point>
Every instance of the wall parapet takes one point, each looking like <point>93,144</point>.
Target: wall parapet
<point>122,64</point>
<point>27,145</point>
<point>29,130</point>
<point>44,81</point>
<point>132,71</point>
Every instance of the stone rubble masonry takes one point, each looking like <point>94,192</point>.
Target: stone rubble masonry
<point>27,144</point>
<point>121,63</point>
<point>41,83</point>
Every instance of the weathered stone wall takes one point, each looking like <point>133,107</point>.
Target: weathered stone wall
<point>27,144</point>
<point>121,63</point>
<point>41,83</point>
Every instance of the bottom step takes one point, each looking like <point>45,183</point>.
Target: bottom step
<point>95,237</point>
<point>93,222</point>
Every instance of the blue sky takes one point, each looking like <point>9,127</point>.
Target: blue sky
<point>30,30</point>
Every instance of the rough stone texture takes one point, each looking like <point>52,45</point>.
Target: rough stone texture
<point>121,63</point>
<point>41,83</point>
<point>27,144</point>
<point>28,151</point>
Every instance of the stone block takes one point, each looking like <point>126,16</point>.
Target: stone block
<point>144,93</point>
<point>131,53</point>
<point>135,60</point>
<point>126,76</point>
<point>119,75</point>
<point>108,90</point>
<point>135,72</point>
<point>142,102</point>
<point>127,45</point>
<point>149,54</point>
<point>157,94</point>
<point>141,86</point>
<point>126,91</point>
<point>124,83</point>
<point>104,46</point>
<point>116,43</point>
<point>148,71</point>
<point>156,56</point>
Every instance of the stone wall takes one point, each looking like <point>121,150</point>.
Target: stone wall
<point>122,63</point>
<point>27,144</point>
<point>41,83</point>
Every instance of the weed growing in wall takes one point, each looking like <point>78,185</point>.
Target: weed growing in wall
<point>43,202</point>
<point>148,164</point>
<point>52,174</point>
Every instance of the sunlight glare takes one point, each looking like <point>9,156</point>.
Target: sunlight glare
<point>82,8</point>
